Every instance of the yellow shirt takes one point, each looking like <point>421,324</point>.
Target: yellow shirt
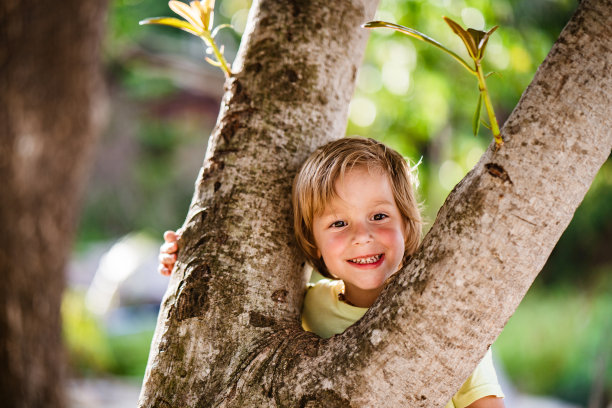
<point>325,315</point>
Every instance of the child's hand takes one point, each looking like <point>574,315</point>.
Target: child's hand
<point>167,253</point>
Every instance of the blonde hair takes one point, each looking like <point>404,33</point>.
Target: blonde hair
<point>313,188</point>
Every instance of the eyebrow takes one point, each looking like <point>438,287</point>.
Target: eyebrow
<point>334,213</point>
<point>382,202</point>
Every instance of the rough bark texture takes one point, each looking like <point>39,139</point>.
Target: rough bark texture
<point>239,271</point>
<point>49,112</point>
<point>228,333</point>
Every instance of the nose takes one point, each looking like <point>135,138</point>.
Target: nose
<point>361,234</point>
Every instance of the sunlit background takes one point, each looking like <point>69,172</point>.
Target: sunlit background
<point>554,352</point>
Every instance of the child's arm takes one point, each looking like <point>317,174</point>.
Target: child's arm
<point>488,402</point>
<point>167,253</point>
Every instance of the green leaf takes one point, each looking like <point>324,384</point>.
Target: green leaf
<point>476,119</point>
<point>482,43</point>
<point>189,13</point>
<point>419,36</point>
<point>474,40</point>
<point>477,35</point>
<point>172,22</point>
<point>466,37</point>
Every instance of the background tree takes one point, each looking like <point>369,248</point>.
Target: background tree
<point>243,347</point>
<point>51,112</point>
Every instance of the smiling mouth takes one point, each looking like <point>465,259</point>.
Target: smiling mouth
<point>366,260</point>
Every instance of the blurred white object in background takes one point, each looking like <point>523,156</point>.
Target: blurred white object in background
<point>127,275</point>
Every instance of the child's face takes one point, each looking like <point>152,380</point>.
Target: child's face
<point>361,234</point>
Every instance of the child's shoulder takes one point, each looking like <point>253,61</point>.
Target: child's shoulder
<point>324,289</point>
<point>323,312</point>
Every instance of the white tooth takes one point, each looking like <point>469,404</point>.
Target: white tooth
<point>363,261</point>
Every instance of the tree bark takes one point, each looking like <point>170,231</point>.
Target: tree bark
<point>229,334</point>
<point>51,111</point>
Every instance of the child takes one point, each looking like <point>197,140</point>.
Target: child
<point>357,220</point>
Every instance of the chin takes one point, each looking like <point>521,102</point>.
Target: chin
<point>372,285</point>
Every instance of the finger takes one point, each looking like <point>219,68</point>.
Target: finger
<point>167,259</point>
<point>163,270</point>
<point>170,236</point>
<point>169,248</point>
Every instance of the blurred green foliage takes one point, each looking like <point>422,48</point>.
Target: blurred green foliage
<point>559,341</point>
<point>84,337</point>
<point>585,246</point>
<point>93,350</point>
<point>415,98</point>
<point>408,95</point>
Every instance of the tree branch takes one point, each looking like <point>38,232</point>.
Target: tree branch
<point>239,275</point>
<point>228,333</point>
<point>435,321</point>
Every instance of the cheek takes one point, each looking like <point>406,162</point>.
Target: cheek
<point>393,238</point>
<point>333,245</point>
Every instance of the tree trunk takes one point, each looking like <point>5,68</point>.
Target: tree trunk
<point>50,112</point>
<point>229,333</point>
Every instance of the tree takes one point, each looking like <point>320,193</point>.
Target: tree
<point>50,113</point>
<point>228,333</point>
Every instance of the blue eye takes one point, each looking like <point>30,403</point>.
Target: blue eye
<point>380,216</point>
<point>338,224</point>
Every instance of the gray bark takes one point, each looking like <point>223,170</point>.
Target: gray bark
<point>50,114</point>
<point>228,333</point>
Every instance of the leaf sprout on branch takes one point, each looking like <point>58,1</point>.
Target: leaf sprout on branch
<point>198,21</point>
<point>475,42</point>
